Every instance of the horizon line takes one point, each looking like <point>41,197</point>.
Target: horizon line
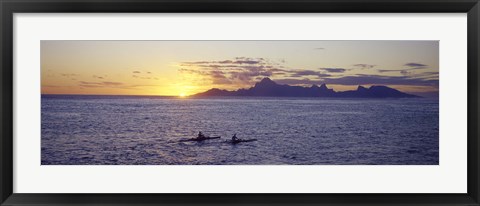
<point>265,78</point>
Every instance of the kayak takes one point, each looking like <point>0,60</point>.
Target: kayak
<point>240,140</point>
<point>199,139</point>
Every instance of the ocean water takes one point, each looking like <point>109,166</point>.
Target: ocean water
<point>122,130</point>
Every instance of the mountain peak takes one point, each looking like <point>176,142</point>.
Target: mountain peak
<point>361,88</point>
<point>266,82</point>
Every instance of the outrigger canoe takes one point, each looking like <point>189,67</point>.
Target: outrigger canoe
<point>199,139</point>
<point>240,140</point>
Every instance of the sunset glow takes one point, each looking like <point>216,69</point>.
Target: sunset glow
<point>182,68</point>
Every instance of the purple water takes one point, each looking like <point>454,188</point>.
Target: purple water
<point>122,130</point>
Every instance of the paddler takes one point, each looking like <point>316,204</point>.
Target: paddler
<point>234,138</point>
<point>200,135</point>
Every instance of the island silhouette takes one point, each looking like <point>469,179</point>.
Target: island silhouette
<point>268,88</point>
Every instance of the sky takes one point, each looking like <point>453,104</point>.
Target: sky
<point>182,68</point>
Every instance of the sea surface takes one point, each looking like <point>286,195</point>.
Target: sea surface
<point>126,130</point>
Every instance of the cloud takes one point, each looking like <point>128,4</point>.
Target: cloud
<point>411,64</point>
<point>107,84</point>
<point>426,75</point>
<point>415,66</point>
<point>389,70</point>
<point>334,70</point>
<point>304,81</point>
<point>429,73</point>
<point>302,73</point>
<point>364,66</point>
<point>100,84</point>
<point>227,63</point>
<point>112,83</point>
<point>362,79</point>
<point>240,70</point>
<point>218,77</point>
<point>97,77</point>
<point>244,72</point>
<point>68,75</point>
<point>401,71</point>
<point>319,48</point>
<point>140,77</point>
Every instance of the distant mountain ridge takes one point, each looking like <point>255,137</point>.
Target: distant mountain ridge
<point>269,88</point>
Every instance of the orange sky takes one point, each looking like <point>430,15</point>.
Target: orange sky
<point>175,68</point>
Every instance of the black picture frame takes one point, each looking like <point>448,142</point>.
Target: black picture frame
<point>9,7</point>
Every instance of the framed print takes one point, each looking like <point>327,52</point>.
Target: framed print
<point>242,103</point>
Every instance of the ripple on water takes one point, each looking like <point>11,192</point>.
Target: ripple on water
<point>119,130</point>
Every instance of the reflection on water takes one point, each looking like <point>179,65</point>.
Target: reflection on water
<point>106,130</point>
